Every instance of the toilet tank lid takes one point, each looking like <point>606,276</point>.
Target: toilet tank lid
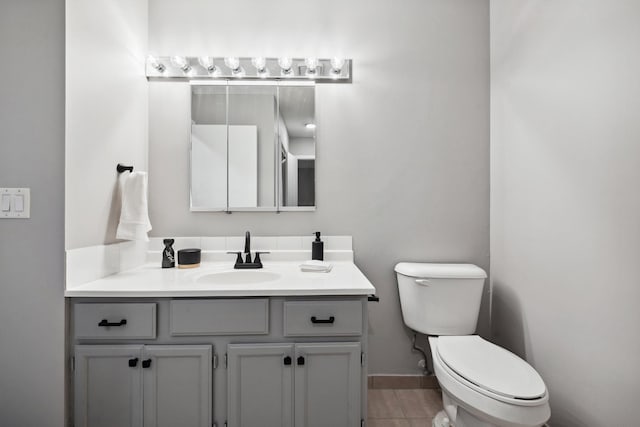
<point>440,271</point>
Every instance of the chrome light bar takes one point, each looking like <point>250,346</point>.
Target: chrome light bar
<point>332,70</point>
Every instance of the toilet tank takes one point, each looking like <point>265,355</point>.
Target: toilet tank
<point>440,299</point>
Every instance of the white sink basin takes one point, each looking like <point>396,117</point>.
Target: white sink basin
<point>238,277</point>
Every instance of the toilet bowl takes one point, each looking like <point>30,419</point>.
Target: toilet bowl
<point>483,385</point>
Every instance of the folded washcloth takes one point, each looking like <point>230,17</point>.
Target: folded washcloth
<point>316,266</point>
<point>134,216</point>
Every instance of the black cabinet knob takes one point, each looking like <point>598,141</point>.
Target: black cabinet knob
<point>300,360</point>
<point>287,360</point>
<point>146,363</point>
<point>133,362</point>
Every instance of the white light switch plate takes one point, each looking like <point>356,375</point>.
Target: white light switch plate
<point>16,203</point>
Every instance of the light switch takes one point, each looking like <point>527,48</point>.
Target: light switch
<point>6,202</point>
<point>15,203</point>
<point>18,203</point>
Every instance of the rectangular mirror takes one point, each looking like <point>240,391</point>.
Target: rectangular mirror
<point>252,146</point>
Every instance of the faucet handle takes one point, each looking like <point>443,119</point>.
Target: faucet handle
<point>238,256</point>
<point>257,259</point>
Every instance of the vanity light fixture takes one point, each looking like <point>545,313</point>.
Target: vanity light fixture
<point>182,63</point>
<point>209,68</point>
<point>285,64</point>
<point>207,64</point>
<point>153,61</point>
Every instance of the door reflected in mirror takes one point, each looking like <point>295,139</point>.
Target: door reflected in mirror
<point>252,147</point>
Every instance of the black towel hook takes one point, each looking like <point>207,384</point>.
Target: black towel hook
<point>121,168</point>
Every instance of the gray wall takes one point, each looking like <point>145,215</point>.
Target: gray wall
<point>402,153</point>
<point>565,203</point>
<point>32,251</point>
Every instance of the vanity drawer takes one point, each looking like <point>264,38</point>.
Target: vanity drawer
<point>219,317</point>
<point>115,321</point>
<point>316,318</point>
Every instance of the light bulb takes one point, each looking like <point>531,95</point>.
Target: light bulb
<point>153,61</point>
<point>207,63</point>
<point>285,64</point>
<point>233,63</point>
<point>260,63</point>
<point>336,65</point>
<point>310,126</point>
<point>181,62</point>
<point>312,65</point>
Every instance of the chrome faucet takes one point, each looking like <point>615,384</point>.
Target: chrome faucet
<point>247,263</point>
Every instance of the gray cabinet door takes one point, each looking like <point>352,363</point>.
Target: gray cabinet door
<point>177,385</point>
<point>327,385</point>
<point>260,385</point>
<point>108,391</point>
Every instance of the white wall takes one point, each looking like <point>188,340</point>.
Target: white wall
<point>565,203</point>
<point>402,153</point>
<point>303,147</point>
<point>106,111</point>
<point>32,332</point>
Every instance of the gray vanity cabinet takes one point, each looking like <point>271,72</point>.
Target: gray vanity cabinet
<point>142,386</point>
<point>301,385</point>
<point>150,362</point>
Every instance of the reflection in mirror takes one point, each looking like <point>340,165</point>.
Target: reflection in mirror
<point>208,147</point>
<point>252,146</point>
<point>233,147</point>
<point>296,133</point>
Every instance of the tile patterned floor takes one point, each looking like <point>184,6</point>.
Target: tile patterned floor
<point>403,408</point>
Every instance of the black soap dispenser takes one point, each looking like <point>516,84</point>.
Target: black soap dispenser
<point>317,248</point>
<point>168,255</point>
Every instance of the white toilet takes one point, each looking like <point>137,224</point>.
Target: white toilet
<point>482,384</point>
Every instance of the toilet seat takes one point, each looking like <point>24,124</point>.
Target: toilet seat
<point>461,394</point>
<point>491,370</point>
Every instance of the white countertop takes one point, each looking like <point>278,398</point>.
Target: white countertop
<point>151,280</point>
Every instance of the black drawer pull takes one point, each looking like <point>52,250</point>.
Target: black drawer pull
<point>133,362</point>
<point>146,363</point>
<point>314,319</point>
<point>105,323</point>
<point>287,360</point>
<point>300,360</point>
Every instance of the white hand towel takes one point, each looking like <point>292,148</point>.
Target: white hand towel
<point>316,266</point>
<point>134,216</point>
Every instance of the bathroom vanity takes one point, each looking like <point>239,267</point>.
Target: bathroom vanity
<point>216,346</point>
